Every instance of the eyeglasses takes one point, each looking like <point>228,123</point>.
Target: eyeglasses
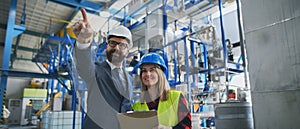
<point>114,44</point>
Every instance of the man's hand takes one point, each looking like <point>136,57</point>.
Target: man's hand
<point>82,29</point>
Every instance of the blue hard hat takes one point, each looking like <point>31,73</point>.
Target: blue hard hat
<point>153,58</point>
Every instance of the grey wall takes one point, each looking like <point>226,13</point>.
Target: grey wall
<point>273,46</point>
<point>15,86</point>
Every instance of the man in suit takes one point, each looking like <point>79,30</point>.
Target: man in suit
<point>108,84</point>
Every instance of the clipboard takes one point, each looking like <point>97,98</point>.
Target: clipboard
<point>138,120</point>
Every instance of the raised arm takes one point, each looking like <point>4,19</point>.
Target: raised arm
<point>83,33</point>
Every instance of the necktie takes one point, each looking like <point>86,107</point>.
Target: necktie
<point>119,82</point>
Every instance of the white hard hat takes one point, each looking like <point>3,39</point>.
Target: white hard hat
<point>121,31</point>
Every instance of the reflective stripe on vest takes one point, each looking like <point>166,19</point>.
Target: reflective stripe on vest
<point>167,110</point>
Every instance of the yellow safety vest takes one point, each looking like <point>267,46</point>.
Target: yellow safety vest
<point>167,110</point>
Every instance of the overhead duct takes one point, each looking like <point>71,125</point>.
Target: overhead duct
<point>154,29</point>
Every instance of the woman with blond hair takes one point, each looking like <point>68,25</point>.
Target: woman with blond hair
<point>156,94</point>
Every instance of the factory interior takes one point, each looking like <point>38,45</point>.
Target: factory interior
<point>237,62</point>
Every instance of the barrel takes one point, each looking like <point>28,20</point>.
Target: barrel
<point>234,116</point>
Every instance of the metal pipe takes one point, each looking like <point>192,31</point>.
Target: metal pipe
<point>242,43</point>
<point>175,62</point>
<point>223,34</point>
<point>165,26</point>
<point>223,43</point>
<point>74,105</point>
<point>187,72</point>
<point>205,64</point>
<point>192,45</point>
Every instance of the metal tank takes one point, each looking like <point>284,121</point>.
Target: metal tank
<point>234,116</point>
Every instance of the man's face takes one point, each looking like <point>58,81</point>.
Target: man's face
<point>117,50</point>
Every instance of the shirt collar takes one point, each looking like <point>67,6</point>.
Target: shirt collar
<point>112,66</point>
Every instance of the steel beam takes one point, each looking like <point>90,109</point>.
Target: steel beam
<point>14,73</point>
<point>90,7</point>
<point>12,31</point>
<point>21,48</point>
<point>14,55</point>
<point>29,32</point>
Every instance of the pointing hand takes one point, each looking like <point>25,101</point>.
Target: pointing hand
<point>82,29</point>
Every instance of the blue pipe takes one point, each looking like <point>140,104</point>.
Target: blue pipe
<point>59,88</point>
<point>223,34</point>
<point>75,82</point>
<point>99,51</point>
<point>205,64</point>
<point>51,70</point>
<point>125,19</point>
<point>136,24</point>
<point>82,108</point>
<point>239,60</point>
<point>74,105</point>
<point>50,81</point>
<point>63,83</point>
<point>61,55</point>
<point>204,43</point>
<point>237,67</point>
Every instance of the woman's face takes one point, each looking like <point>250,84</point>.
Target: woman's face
<point>149,75</point>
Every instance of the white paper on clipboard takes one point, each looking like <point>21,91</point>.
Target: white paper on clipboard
<point>138,120</point>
